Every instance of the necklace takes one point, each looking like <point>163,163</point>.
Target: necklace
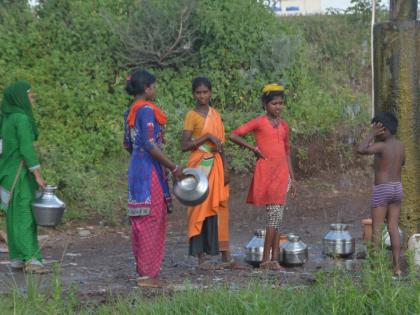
<point>274,121</point>
<point>202,112</point>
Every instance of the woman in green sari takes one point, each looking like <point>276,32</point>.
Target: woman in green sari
<point>20,176</point>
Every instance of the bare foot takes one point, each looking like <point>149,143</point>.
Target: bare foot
<point>265,264</point>
<point>274,265</point>
<point>3,248</point>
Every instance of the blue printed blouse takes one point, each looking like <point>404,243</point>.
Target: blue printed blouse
<point>139,140</point>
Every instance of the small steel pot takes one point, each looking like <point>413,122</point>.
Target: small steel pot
<point>338,241</point>
<point>255,248</point>
<point>294,252</point>
<point>48,209</point>
<point>193,189</point>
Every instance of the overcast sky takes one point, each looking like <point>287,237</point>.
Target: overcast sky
<point>337,4</point>
<point>343,4</point>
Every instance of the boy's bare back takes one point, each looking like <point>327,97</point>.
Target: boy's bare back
<point>389,160</point>
<point>388,151</point>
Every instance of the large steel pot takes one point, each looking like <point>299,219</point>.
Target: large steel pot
<point>338,241</point>
<point>255,248</point>
<point>193,189</point>
<point>294,252</point>
<point>48,209</point>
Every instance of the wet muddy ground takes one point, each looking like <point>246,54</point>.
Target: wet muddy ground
<point>96,260</point>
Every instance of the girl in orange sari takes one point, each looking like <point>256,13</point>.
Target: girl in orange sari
<point>204,136</point>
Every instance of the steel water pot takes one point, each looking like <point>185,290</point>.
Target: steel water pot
<point>48,209</point>
<point>387,238</point>
<point>193,189</point>
<point>338,241</point>
<point>294,252</point>
<point>255,248</point>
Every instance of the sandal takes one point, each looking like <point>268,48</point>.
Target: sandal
<point>17,264</point>
<point>232,264</point>
<point>35,266</point>
<point>207,266</point>
<point>148,282</point>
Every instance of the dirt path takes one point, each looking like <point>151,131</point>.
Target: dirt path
<point>97,259</point>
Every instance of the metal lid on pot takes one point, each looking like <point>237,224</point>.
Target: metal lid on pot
<point>294,245</point>
<point>293,237</point>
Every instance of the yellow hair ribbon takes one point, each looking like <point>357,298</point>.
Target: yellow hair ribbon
<point>274,87</point>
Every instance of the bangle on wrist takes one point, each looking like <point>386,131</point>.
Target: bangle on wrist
<point>176,168</point>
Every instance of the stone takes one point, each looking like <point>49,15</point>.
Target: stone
<point>84,233</point>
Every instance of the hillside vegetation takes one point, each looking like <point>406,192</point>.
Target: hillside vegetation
<point>77,55</point>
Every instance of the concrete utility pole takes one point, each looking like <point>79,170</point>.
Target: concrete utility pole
<point>396,68</point>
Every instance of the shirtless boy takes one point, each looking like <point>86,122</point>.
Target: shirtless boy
<point>387,193</point>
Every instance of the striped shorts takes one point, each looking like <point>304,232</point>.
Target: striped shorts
<point>275,216</point>
<point>386,193</point>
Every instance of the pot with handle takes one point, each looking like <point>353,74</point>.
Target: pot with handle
<point>48,209</point>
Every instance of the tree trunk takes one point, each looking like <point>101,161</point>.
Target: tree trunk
<point>396,86</point>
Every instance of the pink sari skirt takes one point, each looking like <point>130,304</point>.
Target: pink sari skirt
<point>148,233</point>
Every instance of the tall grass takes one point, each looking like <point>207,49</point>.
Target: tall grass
<point>372,291</point>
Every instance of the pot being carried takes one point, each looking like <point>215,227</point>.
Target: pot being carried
<point>294,252</point>
<point>193,189</point>
<point>338,241</point>
<point>48,209</point>
<point>255,248</point>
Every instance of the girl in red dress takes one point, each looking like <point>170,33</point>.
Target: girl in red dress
<point>273,169</point>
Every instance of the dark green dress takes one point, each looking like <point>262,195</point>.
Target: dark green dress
<point>18,137</point>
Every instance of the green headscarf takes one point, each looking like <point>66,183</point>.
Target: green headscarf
<point>16,100</point>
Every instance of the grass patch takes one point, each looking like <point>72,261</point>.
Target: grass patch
<point>372,291</point>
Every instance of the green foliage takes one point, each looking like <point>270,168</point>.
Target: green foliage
<point>68,50</point>
<point>360,11</point>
